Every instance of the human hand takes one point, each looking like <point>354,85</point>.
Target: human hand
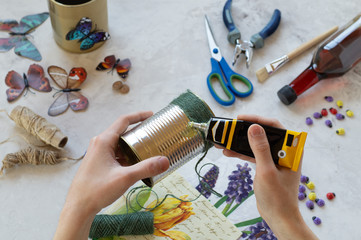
<point>275,187</point>
<point>101,179</point>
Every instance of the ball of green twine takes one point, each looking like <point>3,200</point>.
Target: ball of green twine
<point>138,223</point>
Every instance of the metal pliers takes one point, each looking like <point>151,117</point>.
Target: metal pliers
<point>256,41</point>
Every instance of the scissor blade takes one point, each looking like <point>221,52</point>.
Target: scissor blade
<point>215,51</point>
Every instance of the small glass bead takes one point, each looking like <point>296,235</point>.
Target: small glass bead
<point>349,113</point>
<point>312,196</point>
<point>310,185</point>
<point>301,188</point>
<point>329,98</point>
<point>310,204</point>
<point>324,112</point>
<point>304,179</point>
<point>333,111</point>
<point>316,220</point>
<point>320,202</point>
<point>328,123</point>
<point>330,196</point>
<point>340,116</point>
<point>301,196</point>
<point>317,115</point>
<point>340,131</point>
<point>309,121</point>
<point>339,103</point>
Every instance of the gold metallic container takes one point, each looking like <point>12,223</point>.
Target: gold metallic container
<point>166,133</point>
<point>66,14</point>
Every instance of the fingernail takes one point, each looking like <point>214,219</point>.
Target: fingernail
<point>256,131</point>
<point>163,163</point>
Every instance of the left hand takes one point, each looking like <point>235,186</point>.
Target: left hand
<point>101,179</point>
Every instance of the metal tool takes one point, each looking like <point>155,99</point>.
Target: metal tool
<point>256,41</point>
<point>223,73</point>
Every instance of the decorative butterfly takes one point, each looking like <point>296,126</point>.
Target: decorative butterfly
<point>17,83</point>
<point>110,62</point>
<point>18,32</point>
<point>87,37</point>
<point>69,93</point>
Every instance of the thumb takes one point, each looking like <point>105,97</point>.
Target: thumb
<point>148,168</point>
<point>260,147</point>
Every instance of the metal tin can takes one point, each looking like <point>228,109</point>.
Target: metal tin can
<point>166,133</point>
<point>66,14</point>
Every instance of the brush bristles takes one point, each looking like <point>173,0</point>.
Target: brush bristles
<point>262,74</point>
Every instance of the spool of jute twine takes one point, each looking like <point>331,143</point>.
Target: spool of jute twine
<point>38,126</point>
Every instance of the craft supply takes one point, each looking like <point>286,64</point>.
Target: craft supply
<point>286,148</point>
<point>223,74</point>
<point>301,196</point>
<point>18,35</point>
<point>329,98</point>
<point>328,123</point>
<point>17,84</point>
<point>340,116</point>
<point>320,202</point>
<point>304,179</point>
<point>110,63</point>
<point>309,121</point>
<point>349,113</point>
<point>339,103</point>
<point>317,115</point>
<point>333,111</point>
<point>310,185</point>
<point>310,204</point>
<point>324,112</point>
<point>69,94</point>
<point>265,72</point>
<point>117,85</point>
<point>257,40</point>
<point>137,223</point>
<point>330,195</point>
<point>316,220</point>
<point>301,189</point>
<point>38,126</point>
<point>124,89</point>
<point>164,133</point>
<point>333,58</point>
<point>79,26</point>
<point>340,131</point>
<point>312,196</point>
<point>32,156</point>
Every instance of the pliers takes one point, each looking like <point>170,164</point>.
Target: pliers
<point>256,41</point>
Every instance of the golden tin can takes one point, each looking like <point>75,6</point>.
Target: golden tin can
<point>65,15</point>
<point>166,133</point>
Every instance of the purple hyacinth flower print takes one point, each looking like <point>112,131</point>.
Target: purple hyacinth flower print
<point>240,184</point>
<point>208,181</point>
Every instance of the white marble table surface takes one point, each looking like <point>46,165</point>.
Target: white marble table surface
<point>167,45</point>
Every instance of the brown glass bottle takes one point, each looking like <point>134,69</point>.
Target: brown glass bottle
<point>332,59</point>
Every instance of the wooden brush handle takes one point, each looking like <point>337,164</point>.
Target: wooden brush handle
<point>311,43</point>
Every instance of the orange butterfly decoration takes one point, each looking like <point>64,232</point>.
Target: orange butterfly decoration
<point>69,93</point>
<point>121,66</point>
<point>34,79</point>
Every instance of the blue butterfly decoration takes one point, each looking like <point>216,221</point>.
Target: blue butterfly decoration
<point>18,32</point>
<point>87,37</point>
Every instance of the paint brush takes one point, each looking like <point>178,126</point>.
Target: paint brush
<point>263,73</point>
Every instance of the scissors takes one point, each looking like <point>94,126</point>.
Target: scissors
<point>223,73</point>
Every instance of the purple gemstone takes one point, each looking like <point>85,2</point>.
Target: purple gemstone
<point>339,116</point>
<point>317,115</point>
<point>328,123</point>
<point>309,121</point>
<point>329,98</point>
<point>310,204</point>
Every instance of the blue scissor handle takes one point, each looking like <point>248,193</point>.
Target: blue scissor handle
<point>217,75</point>
<point>231,76</point>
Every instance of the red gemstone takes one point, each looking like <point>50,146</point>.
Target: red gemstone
<point>333,111</point>
<point>330,196</point>
<point>324,112</point>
